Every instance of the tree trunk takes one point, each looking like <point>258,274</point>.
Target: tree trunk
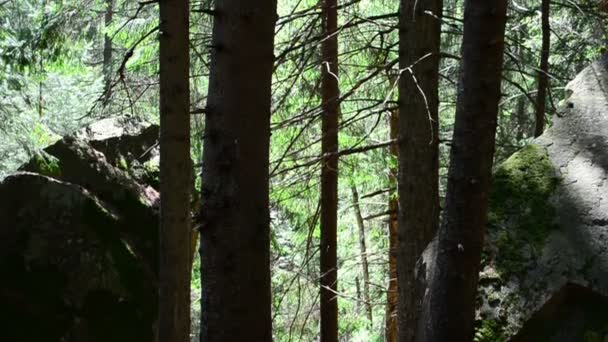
<point>520,118</point>
<point>235,218</point>
<point>393,225</point>
<point>450,304</point>
<point>543,73</point>
<point>175,173</point>
<point>107,54</point>
<point>420,29</point>
<point>329,173</point>
<point>363,249</point>
<point>521,115</point>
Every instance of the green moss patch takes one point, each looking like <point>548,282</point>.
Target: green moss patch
<point>519,204</point>
<point>489,330</point>
<point>46,164</point>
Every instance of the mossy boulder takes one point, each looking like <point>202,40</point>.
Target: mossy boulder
<point>522,213</point>
<point>130,144</point>
<point>548,221</point>
<point>69,273</point>
<point>78,238</point>
<point>123,139</point>
<point>77,162</point>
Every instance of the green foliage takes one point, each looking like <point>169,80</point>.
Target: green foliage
<point>52,79</point>
<point>488,330</point>
<point>47,164</point>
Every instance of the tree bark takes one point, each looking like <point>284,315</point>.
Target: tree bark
<point>450,302</point>
<point>420,29</point>
<point>363,250</point>
<point>393,225</point>
<point>107,53</point>
<point>175,173</point>
<point>235,218</point>
<point>543,73</point>
<point>521,116</point>
<point>329,173</point>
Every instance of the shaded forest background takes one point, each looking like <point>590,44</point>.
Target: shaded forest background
<point>69,63</point>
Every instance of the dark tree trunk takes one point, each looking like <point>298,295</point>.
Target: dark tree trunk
<point>363,250</point>
<point>419,36</point>
<point>175,173</point>
<point>450,304</point>
<point>520,118</point>
<point>329,173</point>
<point>393,225</point>
<point>107,54</point>
<point>235,218</point>
<point>521,115</point>
<point>543,73</point>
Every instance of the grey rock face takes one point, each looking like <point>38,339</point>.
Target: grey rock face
<point>548,231</point>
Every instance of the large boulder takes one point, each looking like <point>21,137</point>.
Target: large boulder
<point>130,144</point>
<point>130,139</point>
<point>76,161</point>
<point>68,273</point>
<point>545,265</point>
<point>78,239</point>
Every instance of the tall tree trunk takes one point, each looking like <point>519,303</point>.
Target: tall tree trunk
<point>363,249</point>
<point>520,118</point>
<point>175,173</point>
<point>329,173</point>
<point>107,54</point>
<point>450,304</point>
<point>235,217</point>
<point>543,73</point>
<point>420,30</point>
<point>393,225</point>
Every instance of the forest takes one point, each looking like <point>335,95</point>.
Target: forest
<point>330,170</point>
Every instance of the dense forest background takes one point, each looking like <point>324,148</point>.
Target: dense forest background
<point>68,63</point>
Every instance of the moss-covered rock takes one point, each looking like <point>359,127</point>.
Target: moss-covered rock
<point>547,228</point>
<point>520,207</point>
<point>47,164</point>
<point>79,163</point>
<point>61,249</point>
<point>78,238</point>
<point>488,330</point>
<point>123,140</point>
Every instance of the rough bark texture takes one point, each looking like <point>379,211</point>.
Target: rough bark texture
<point>520,118</point>
<point>235,219</point>
<point>393,226</point>
<point>450,302</point>
<point>175,173</point>
<point>419,37</point>
<point>543,73</point>
<point>329,173</point>
<point>107,53</point>
<point>363,250</point>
